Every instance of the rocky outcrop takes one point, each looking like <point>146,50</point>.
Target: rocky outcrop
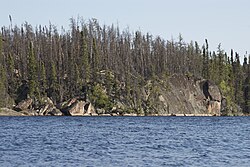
<point>90,110</point>
<point>213,90</point>
<point>49,110</point>
<point>178,95</point>
<point>188,95</point>
<point>9,112</point>
<point>75,109</point>
<point>212,96</point>
<point>68,103</point>
<point>47,107</point>
<point>55,112</point>
<point>27,107</point>
<point>29,112</point>
<point>24,105</point>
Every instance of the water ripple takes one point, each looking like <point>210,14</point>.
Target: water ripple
<point>124,141</point>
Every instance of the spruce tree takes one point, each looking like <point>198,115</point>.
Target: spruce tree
<point>3,92</point>
<point>85,56</point>
<point>11,78</point>
<point>238,81</point>
<point>247,85</point>
<point>53,84</point>
<point>95,56</point>
<point>43,80</point>
<point>53,80</point>
<point>205,61</point>
<point>221,69</point>
<point>77,79</point>
<point>32,72</point>
<point>205,68</point>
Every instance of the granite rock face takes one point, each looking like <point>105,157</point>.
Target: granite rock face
<point>189,95</point>
<point>75,109</point>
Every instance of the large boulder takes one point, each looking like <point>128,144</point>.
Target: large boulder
<point>44,109</point>
<point>47,108</point>
<point>75,109</point>
<point>23,105</point>
<point>90,110</point>
<point>69,102</point>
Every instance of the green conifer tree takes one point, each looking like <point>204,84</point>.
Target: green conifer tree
<point>2,77</point>
<point>53,80</point>
<point>3,91</point>
<point>32,72</point>
<point>77,79</point>
<point>221,64</point>
<point>247,87</point>
<point>12,80</point>
<point>53,84</point>
<point>96,57</point>
<point>238,82</point>
<point>43,80</point>
<point>205,68</point>
<point>85,57</point>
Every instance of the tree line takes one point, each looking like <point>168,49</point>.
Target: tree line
<point>61,64</point>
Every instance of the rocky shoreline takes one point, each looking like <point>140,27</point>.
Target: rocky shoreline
<point>183,96</point>
<point>10,112</point>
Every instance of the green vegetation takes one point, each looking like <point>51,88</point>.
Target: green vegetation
<point>32,72</point>
<point>70,63</point>
<point>2,88</point>
<point>100,98</point>
<point>2,77</point>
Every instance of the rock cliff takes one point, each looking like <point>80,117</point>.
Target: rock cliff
<point>189,96</point>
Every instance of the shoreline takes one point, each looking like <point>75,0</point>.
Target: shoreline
<point>12,113</point>
<point>125,115</point>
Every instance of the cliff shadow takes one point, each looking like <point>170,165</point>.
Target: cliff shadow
<point>205,88</point>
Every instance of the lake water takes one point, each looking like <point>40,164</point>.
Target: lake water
<point>125,141</point>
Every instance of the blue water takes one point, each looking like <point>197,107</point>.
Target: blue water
<point>125,141</point>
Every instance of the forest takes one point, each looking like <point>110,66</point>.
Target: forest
<point>45,61</point>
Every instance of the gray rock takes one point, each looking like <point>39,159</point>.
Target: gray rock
<point>100,111</point>
<point>45,109</point>
<point>186,95</point>
<point>29,112</point>
<point>75,109</point>
<point>9,112</point>
<point>55,112</point>
<point>90,110</point>
<point>24,105</point>
<point>67,103</point>
<point>214,92</point>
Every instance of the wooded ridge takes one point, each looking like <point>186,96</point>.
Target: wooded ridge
<point>104,66</point>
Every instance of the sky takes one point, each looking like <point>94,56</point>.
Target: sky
<point>220,21</point>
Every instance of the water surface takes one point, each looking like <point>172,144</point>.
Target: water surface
<point>125,141</point>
